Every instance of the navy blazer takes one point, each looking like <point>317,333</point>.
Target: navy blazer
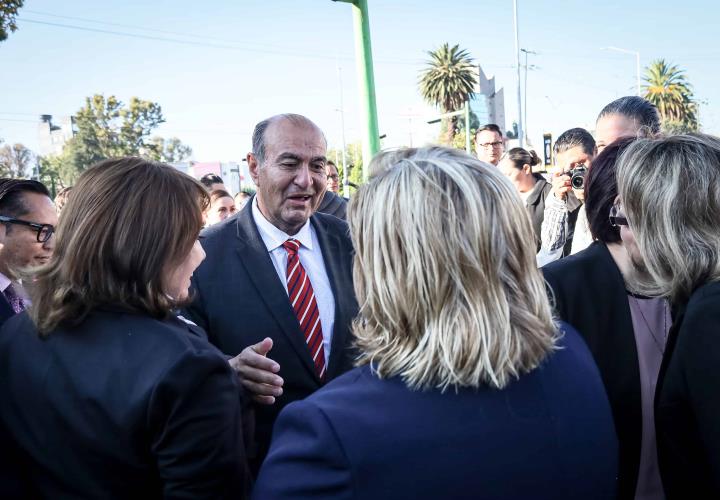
<point>6,310</point>
<point>687,399</point>
<point>589,293</point>
<point>239,300</point>
<point>121,406</point>
<point>548,434</point>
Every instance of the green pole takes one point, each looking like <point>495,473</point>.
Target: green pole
<point>366,81</point>
<point>468,150</point>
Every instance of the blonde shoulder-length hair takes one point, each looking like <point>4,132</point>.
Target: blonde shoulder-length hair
<point>670,189</point>
<point>445,273</point>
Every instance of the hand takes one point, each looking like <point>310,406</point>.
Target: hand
<point>561,184</point>
<point>257,372</point>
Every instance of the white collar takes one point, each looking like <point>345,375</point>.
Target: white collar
<point>274,237</point>
<point>4,282</point>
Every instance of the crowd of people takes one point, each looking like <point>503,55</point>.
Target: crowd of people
<point>461,327</point>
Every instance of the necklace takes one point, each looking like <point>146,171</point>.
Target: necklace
<point>660,344</point>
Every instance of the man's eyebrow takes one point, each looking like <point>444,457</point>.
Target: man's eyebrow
<point>288,156</point>
<point>318,158</point>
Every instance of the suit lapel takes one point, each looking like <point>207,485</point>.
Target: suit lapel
<point>255,257</point>
<point>332,256</point>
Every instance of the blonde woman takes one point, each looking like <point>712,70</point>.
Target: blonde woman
<point>670,190</point>
<point>465,386</point>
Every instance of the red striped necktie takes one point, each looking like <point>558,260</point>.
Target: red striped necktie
<point>302,298</point>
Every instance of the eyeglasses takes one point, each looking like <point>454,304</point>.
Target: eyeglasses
<point>616,218</point>
<point>496,144</point>
<point>44,231</point>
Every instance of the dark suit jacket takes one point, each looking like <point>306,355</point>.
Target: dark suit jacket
<point>122,406</point>
<point>6,311</point>
<point>548,434</point>
<point>589,293</point>
<point>333,204</point>
<point>240,300</point>
<point>687,401</point>
<point>535,205</point>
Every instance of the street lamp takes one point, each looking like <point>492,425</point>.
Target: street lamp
<point>637,62</point>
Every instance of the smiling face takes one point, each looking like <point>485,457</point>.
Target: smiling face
<point>19,247</point>
<point>292,179</point>
<point>220,209</point>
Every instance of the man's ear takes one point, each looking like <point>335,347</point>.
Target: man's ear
<point>253,167</point>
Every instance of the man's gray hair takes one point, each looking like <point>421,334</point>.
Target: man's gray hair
<point>258,137</point>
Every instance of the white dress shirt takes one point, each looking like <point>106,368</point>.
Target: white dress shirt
<point>311,259</point>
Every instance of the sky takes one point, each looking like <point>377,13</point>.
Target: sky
<point>218,67</point>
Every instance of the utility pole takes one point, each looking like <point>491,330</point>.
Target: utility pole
<point>526,52</point>
<point>521,135</point>
<point>366,81</point>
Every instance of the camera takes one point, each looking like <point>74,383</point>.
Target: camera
<point>577,177</point>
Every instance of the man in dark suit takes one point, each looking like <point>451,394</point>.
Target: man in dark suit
<point>276,285</point>
<point>27,224</point>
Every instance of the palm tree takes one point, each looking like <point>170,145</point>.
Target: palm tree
<point>448,81</point>
<point>666,87</point>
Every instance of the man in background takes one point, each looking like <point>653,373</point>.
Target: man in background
<point>27,224</point>
<point>489,143</point>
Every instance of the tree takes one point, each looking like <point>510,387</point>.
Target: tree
<point>8,13</point>
<point>666,87</point>
<point>16,161</point>
<point>107,128</point>
<point>168,150</point>
<point>448,82</point>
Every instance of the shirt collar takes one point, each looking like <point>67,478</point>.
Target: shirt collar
<point>4,282</point>
<point>274,237</point>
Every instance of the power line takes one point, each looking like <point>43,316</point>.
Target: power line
<point>208,45</point>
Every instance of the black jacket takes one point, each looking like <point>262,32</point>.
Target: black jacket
<point>239,300</point>
<point>687,400</point>
<point>589,293</point>
<point>535,205</point>
<point>121,406</point>
<point>333,204</point>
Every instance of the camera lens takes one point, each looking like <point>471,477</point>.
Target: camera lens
<point>578,180</point>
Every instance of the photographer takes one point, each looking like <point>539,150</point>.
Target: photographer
<point>564,220</point>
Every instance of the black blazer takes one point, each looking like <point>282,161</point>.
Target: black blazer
<point>589,293</point>
<point>687,400</point>
<point>121,406</point>
<point>239,300</point>
<point>333,204</point>
<point>6,311</point>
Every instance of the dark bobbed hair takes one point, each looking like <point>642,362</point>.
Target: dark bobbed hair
<point>573,138</point>
<point>128,223</point>
<point>12,199</point>
<point>601,189</point>
<point>643,112</point>
<point>520,157</point>
<point>209,179</point>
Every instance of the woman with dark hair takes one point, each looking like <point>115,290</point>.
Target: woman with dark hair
<point>222,206</point>
<point>670,188</point>
<point>517,165</point>
<point>595,291</point>
<point>107,393</point>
